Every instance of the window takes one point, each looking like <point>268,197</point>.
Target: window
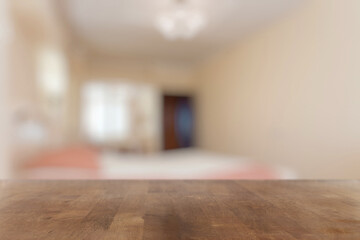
<point>52,72</point>
<point>52,80</point>
<point>106,111</point>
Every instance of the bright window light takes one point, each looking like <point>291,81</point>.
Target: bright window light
<point>106,111</point>
<point>52,72</point>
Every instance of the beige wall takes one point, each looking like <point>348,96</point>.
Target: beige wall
<point>34,26</point>
<point>168,76</point>
<point>5,44</point>
<point>289,94</point>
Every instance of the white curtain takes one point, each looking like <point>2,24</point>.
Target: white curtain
<point>106,111</point>
<point>126,114</point>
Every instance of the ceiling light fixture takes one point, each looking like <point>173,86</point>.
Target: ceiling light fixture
<point>180,21</point>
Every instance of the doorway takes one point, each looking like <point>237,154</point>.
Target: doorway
<point>178,122</point>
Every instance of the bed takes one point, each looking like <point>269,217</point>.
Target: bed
<point>88,163</point>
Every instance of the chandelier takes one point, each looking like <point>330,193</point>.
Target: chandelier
<point>180,21</point>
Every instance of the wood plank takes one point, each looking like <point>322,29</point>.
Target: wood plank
<point>179,210</point>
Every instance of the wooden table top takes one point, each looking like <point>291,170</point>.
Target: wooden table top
<point>179,210</point>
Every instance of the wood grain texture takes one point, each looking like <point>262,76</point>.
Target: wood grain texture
<point>156,210</point>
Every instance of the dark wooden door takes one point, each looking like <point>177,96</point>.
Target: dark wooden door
<point>178,122</point>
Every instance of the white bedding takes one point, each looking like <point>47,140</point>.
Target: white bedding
<point>177,164</point>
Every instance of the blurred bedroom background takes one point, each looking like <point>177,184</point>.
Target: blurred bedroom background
<point>179,89</point>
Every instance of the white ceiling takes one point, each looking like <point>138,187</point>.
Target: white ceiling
<point>126,27</point>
